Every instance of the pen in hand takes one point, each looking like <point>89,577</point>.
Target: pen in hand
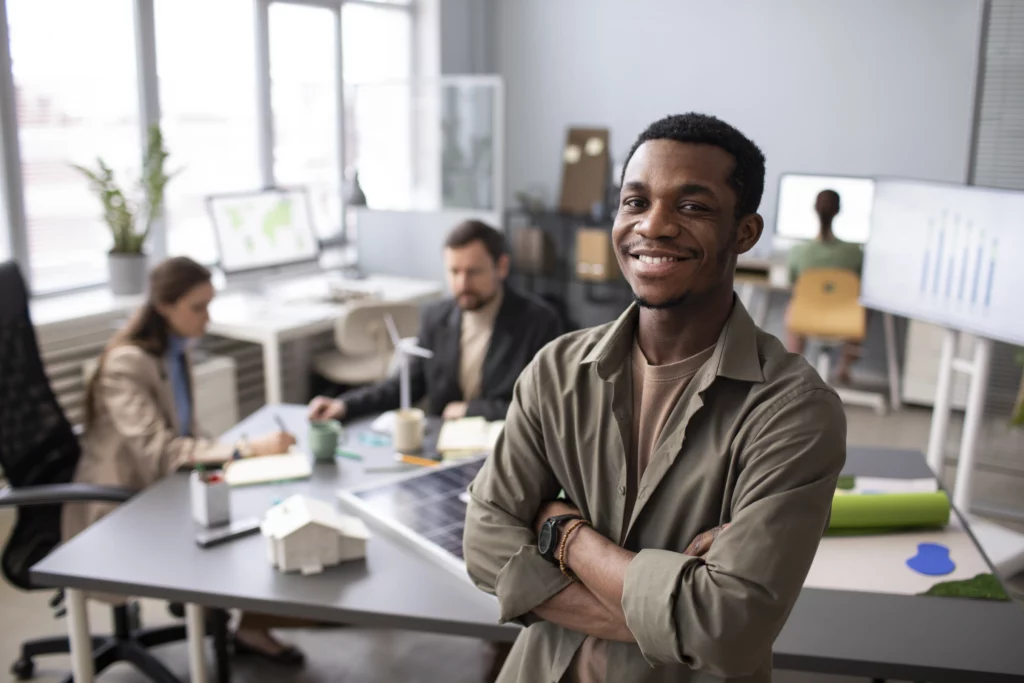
<point>280,423</point>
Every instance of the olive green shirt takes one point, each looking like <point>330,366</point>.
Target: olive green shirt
<point>824,254</point>
<point>756,439</point>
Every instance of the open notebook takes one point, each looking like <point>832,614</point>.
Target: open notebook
<point>265,469</point>
<point>467,437</point>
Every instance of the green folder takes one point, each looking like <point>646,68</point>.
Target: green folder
<point>873,513</point>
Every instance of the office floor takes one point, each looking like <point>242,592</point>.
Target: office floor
<point>348,655</point>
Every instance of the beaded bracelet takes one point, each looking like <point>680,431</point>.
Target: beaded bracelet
<point>576,524</point>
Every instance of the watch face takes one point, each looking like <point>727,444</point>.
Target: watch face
<point>544,539</point>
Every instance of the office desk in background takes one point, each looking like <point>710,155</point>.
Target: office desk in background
<point>280,310</point>
<point>146,548</point>
<point>294,309</point>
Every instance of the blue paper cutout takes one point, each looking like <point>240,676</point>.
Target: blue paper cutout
<point>932,559</point>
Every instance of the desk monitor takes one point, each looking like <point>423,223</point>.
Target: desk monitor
<point>796,219</point>
<point>263,229</point>
<point>947,254</point>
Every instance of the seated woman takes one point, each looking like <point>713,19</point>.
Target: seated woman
<point>826,251</point>
<point>140,424</point>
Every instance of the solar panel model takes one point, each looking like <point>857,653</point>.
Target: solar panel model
<point>425,509</point>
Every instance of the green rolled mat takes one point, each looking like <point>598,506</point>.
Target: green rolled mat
<point>860,513</point>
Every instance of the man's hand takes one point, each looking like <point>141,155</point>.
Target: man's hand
<point>454,410</point>
<point>702,541</point>
<point>323,408</point>
<point>551,509</point>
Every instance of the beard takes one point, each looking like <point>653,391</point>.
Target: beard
<point>674,302</point>
<point>474,302</point>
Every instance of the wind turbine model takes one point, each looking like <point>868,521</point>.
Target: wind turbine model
<point>405,348</point>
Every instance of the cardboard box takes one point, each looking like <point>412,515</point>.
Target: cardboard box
<point>585,171</point>
<point>595,255</point>
<point>532,251</point>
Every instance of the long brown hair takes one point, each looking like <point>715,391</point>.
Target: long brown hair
<point>169,281</point>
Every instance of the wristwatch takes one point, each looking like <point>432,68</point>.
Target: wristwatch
<point>550,536</point>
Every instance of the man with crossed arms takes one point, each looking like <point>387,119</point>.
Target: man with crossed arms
<point>680,417</point>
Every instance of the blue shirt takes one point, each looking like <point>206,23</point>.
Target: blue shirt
<point>175,356</point>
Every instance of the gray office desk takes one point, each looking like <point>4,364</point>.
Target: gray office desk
<point>146,548</point>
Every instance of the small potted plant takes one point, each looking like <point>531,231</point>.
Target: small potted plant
<point>130,222</point>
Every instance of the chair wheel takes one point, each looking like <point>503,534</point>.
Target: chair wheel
<point>23,669</point>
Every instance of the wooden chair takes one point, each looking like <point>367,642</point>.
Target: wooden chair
<point>825,307</point>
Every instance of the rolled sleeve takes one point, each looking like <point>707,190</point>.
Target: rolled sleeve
<point>649,596</point>
<point>527,580</point>
<point>499,544</point>
<point>721,613</point>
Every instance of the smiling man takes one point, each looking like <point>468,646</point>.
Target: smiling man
<point>678,418</point>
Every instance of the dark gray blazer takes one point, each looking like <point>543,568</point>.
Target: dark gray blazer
<point>523,325</point>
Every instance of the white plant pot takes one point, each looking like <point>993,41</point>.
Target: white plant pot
<point>127,273</point>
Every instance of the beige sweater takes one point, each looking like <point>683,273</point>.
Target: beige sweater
<point>135,437</point>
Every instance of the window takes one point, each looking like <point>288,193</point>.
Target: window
<point>74,79</point>
<point>377,57</point>
<point>304,97</point>
<point>208,112</point>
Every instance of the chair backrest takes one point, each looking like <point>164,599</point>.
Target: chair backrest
<point>363,332</point>
<point>37,443</point>
<point>826,305</point>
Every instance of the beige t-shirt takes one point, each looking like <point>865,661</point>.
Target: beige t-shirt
<point>656,391</point>
<point>474,337</point>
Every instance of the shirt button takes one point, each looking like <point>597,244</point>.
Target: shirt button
<point>622,490</point>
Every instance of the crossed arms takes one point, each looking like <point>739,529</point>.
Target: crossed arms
<point>718,610</point>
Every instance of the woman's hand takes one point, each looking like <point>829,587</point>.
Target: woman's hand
<point>271,444</point>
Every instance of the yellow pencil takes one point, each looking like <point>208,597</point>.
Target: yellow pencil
<point>414,460</point>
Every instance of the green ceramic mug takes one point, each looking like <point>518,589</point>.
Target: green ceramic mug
<point>324,436</point>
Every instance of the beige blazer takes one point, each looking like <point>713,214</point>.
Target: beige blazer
<point>135,437</point>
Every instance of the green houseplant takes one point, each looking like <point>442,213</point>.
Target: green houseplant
<point>131,221</point>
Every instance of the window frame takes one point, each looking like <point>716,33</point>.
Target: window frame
<point>144,20</point>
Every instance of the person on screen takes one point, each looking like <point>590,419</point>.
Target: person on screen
<point>826,251</point>
<point>482,338</point>
<point>680,417</point>
<point>141,425</point>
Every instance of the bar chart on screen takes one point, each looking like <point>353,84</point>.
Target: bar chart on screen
<point>959,263</point>
<point>948,254</point>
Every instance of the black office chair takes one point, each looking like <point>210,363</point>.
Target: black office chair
<point>38,453</point>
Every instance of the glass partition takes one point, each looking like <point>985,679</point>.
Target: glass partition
<point>427,146</point>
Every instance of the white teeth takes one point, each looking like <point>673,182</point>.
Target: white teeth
<point>656,259</point>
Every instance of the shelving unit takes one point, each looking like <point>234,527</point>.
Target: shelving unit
<point>560,285</point>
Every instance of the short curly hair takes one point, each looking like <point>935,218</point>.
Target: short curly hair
<point>747,177</point>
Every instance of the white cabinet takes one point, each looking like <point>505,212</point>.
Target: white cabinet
<point>216,394</point>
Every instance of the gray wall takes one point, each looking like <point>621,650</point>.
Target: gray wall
<point>467,37</point>
<point>845,86</point>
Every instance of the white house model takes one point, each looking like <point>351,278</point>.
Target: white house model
<point>306,535</point>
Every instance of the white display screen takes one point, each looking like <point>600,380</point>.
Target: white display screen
<point>796,219</point>
<point>949,255</point>
<point>263,229</point>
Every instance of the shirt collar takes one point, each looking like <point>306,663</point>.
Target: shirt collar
<point>735,355</point>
